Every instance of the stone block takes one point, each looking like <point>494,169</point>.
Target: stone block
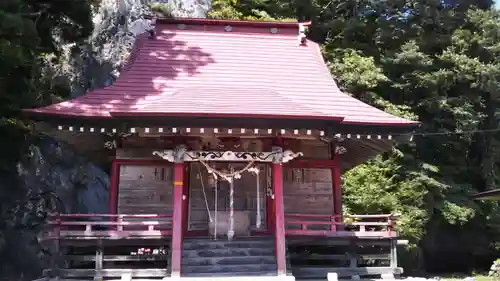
<point>387,276</point>
<point>126,277</point>
<point>332,276</point>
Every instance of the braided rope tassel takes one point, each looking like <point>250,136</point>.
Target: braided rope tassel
<point>230,232</point>
<point>258,218</point>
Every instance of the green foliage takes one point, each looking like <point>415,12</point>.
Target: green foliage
<point>375,187</point>
<point>162,9</point>
<point>29,31</point>
<point>261,10</point>
<point>354,71</point>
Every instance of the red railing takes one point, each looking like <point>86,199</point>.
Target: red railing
<point>85,226</point>
<point>353,225</point>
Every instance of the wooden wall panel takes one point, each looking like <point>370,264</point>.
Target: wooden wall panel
<point>308,191</point>
<point>314,149</point>
<point>145,189</point>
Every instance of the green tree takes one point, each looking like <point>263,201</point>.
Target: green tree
<point>31,31</point>
<point>32,35</point>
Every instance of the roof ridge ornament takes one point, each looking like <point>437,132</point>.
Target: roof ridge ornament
<point>152,28</point>
<point>302,34</point>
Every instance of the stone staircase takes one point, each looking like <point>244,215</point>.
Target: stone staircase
<point>253,256</point>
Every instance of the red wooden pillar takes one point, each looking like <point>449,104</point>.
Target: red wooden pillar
<point>177,220</point>
<point>114,175</point>
<point>337,187</point>
<point>279,221</point>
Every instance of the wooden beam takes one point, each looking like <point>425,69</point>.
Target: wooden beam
<point>89,258</point>
<point>342,257</point>
<point>279,221</point>
<point>339,241</point>
<point>114,272</point>
<point>345,234</point>
<point>177,221</point>
<point>111,234</point>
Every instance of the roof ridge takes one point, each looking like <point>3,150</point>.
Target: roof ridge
<point>206,21</point>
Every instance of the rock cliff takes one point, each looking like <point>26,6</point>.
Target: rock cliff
<point>42,172</point>
<point>46,176</point>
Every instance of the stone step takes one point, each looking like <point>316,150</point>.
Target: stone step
<point>249,269</point>
<point>228,252</point>
<point>245,260</point>
<point>252,256</point>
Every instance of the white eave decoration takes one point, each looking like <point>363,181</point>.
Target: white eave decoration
<point>180,154</point>
<point>152,132</point>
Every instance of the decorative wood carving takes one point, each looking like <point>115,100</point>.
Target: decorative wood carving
<point>181,154</point>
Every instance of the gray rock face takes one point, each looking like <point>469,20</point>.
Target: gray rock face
<point>78,186</point>
<point>49,177</point>
<point>97,63</point>
<point>189,8</point>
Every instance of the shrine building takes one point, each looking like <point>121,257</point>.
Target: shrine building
<point>230,139</point>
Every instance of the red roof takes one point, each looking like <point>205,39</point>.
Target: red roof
<point>198,67</point>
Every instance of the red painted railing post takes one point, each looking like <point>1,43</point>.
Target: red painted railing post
<point>279,212</point>
<point>177,220</point>
<point>333,221</point>
<point>119,227</point>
